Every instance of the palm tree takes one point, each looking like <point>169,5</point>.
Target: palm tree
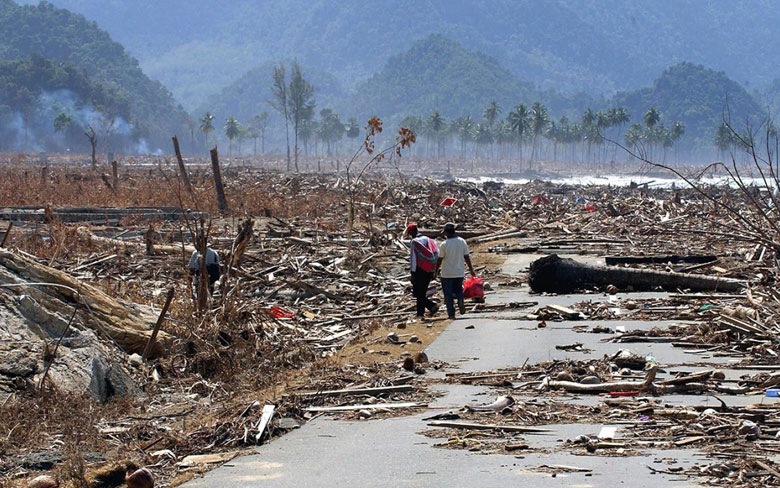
<point>519,121</point>
<point>206,124</point>
<point>232,130</point>
<point>482,134</point>
<point>652,117</point>
<point>491,113</point>
<point>436,126</point>
<point>539,121</point>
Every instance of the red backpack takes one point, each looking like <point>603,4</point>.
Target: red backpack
<point>427,256</point>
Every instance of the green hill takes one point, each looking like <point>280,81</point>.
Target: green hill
<point>61,36</point>
<point>437,73</point>
<point>698,96</point>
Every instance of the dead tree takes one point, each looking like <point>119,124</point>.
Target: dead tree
<point>115,175</point>
<point>553,274</point>
<point>221,200</point>
<point>182,169</point>
<point>92,136</point>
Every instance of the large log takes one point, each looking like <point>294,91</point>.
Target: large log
<point>553,274</point>
<point>127,324</point>
<point>86,234</point>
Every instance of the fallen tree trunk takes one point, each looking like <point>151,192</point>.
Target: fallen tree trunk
<point>128,325</point>
<point>673,259</point>
<point>86,234</point>
<point>553,274</point>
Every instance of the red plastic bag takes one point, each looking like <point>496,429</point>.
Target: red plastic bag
<point>473,288</point>
<point>590,208</point>
<point>280,313</point>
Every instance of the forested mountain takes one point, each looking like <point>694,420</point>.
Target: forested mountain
<point>437,73</point>
<point>198,46</point>
<point>87,68</point>
<point>697,96</point>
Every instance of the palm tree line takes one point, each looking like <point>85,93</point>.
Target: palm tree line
<point>529,132</point>
<point>295,103</point>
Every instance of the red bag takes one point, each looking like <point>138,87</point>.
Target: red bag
<point>473,288</point>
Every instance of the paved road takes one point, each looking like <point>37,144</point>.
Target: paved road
<point>393,453</point>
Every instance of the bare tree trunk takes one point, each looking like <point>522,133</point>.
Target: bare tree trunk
<point>182,169</point>
<point>556,275</point>
<point>115,175</point>
<point>221,200</point>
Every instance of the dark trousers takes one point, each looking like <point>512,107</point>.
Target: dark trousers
<point>420,282</point>
<point>213,271</point>
<point>452,288</point>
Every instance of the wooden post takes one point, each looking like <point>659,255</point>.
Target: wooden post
<point>221,200</point>
<point>153,337</point>
<point>7,233</point>
<point>149,238</point>
<point>115,174</point>
<point>182,168</point>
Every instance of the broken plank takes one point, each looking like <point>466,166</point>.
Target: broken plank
<point>361,391</point>
<point>474,426</point>
<point>371,406</point>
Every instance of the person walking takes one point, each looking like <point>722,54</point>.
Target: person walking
<point>424,254</point>
<point>453,253</point>
<point>212,268</point>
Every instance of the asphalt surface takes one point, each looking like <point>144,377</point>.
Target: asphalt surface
<point>394,453</point>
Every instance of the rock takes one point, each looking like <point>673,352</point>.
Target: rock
<point>136,360</point>
<point>82,363</point>
<point>414,339</point>
<point>612,289</point>
<point>392,338</point>
<point>564,376</point>
<point>718,375</point>
<point>141,478</point>
<point>365,414</point>
<point>43,481</point>
<point>408,364</point>
<point>421,358</point>
<point>749,429</point>
<point>590,380</point>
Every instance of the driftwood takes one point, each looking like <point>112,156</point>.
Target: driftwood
<point>86,234</point>
<point>553,274</point>
<point>128,325</point>
<point>617,386</point>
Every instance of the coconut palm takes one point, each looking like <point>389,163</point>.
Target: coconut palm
<point>232,130</point>
<point>491,113</point>
<point>519,121</point>
<point>206,124</point>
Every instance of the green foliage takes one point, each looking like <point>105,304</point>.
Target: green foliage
<point>698,97</point>
<point>64,37</point>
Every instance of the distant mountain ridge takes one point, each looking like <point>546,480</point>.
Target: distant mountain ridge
<point>600,46</point>
<point>62,36</point>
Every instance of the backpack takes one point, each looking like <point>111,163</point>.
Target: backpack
<point>427,256</point>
